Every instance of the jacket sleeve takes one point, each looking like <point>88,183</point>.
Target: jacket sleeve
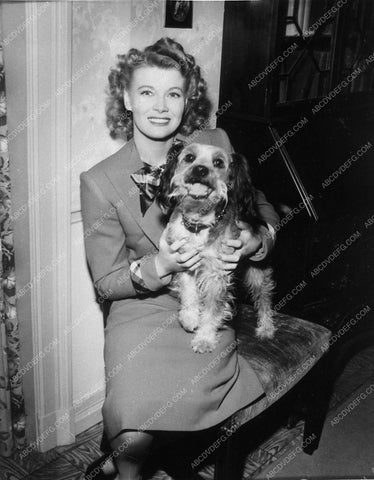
<point>265,209</point>
<point>114,276</point>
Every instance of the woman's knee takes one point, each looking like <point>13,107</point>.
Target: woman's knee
<point>133,444</point>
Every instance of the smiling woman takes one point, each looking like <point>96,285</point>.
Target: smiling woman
<point>156,98</point>
<point>168,58</point>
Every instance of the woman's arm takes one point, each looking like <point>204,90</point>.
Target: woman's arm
<point>105,242</point>
<point>265,209</point>
<point>107,254</point>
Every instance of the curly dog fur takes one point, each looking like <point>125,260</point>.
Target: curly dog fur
<point>207,192</point>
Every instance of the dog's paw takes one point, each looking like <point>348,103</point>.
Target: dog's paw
<point>203,345</point>
<point>265,331</point>
<point>189,320</point>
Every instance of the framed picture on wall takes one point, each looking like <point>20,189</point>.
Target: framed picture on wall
<point>178,14</point>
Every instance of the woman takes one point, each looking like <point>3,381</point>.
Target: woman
<point>155,382</point>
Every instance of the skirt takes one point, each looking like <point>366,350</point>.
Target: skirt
<point>155,381</point>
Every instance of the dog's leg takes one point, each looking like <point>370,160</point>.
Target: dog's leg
<point>215,298</point>
<point>189,312</point>
<point>260,283</point>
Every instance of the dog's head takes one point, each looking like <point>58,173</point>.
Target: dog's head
<point>206,177</point>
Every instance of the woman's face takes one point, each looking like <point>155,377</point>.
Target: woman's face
<point>156,98</point>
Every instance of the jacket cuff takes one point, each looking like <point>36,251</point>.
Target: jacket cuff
<point>150,276</point>
<point>268,240</point>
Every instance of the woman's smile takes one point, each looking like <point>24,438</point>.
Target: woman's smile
<point>160,121</point>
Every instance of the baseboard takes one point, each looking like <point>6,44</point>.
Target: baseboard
<point>88,411</point>
<point>56,429</point>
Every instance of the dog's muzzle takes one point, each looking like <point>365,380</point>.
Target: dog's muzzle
<point>198,183</point>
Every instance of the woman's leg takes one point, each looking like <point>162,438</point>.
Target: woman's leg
<point>131,449</point>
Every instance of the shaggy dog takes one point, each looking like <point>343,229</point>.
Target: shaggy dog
<point>208,192</point>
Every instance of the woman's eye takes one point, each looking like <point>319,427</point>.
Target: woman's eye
<point>218,162</point>
<point>146,92</point>
<point>175,95</point>
<point>189,158</point>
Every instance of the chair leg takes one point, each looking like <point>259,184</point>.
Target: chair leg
<point>227,463</point>
<point>321,385</point>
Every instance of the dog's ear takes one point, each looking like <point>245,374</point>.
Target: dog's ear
<point>164,191</point>
<point>240,189</point>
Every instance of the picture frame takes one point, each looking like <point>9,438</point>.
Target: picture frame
<point>178,14</point>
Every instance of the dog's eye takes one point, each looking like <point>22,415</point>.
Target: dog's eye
<point>189,158</point>
<point>218,162</point>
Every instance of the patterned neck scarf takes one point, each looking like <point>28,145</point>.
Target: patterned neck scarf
<point>148,180</point>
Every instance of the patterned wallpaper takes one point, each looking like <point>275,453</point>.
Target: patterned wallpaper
<point>204,40</point>
<point>100,30</point>
<point>94,45</point>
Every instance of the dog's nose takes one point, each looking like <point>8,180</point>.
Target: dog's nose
<point>200,171</point>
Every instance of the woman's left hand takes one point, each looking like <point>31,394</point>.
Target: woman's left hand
<point>234,249</point>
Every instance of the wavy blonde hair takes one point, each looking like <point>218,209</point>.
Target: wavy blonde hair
<point>165,53</point>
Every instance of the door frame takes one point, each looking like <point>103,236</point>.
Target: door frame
<point>37,57</point>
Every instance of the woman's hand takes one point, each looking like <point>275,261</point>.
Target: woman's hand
<point>175,257</point>
<point>234,249</point>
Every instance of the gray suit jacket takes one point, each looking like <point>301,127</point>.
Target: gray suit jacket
<point>115,231</point>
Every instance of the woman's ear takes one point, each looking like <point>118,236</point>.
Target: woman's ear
<point>127,101</point>
<point>241,190</point>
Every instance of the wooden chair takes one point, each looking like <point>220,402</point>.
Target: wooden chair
<point>280,363</point>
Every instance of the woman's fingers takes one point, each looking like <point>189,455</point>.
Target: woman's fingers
<point>229,267</point>
<point>195,266</point>
<point>189,258</point>
<point>235,243</point>
<point>187,253</point>
<point>229,262</point>
<point>175,246</point>
<point>227,249</point>
<point>230,258</point>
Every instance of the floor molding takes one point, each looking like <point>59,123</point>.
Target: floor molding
<point>88,411</point>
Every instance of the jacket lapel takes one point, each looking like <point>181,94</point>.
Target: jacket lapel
<point>153,222</point>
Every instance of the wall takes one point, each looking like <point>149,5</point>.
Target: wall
<point>204,40</point>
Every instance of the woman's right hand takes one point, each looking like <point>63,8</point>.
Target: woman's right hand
<point>175,257</point>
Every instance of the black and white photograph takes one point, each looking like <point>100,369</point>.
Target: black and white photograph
<point>187,240</point>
